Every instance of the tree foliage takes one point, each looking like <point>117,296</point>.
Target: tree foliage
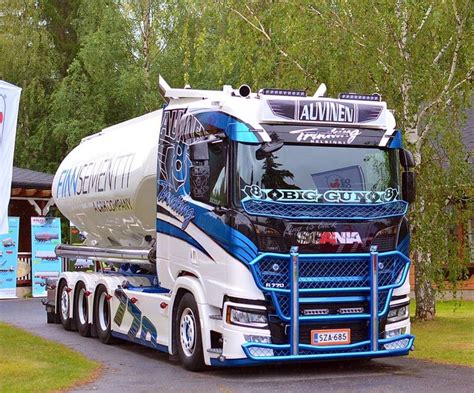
<point>85,65</point>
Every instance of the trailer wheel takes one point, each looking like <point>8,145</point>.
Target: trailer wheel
<point>102,316</point>
<point>64,306</point>
<point>81,310</point>
<point>188,334</point>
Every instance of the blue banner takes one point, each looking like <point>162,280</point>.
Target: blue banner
<point>45,236</point>
<point>9,259</point>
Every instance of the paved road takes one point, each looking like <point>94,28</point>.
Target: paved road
<point>129,367</point>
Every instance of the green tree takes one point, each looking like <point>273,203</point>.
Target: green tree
<point>418,55</point>
<point>30,61</point>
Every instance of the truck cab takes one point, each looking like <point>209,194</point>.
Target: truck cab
<point>248,184</point>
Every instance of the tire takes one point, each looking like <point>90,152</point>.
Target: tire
<point>81,310</point>
<point>102,316</point>
<point>188,334</point>
<point>64,306</point>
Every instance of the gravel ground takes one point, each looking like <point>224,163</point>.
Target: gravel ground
<point>129,367</point>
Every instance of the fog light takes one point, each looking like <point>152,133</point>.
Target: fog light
<point>258,339</point>
<point>394,332</point>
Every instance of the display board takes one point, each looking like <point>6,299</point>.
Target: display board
<point>45,236</point>
<point>9,259</point>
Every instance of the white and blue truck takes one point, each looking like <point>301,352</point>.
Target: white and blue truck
<point>235,228</point>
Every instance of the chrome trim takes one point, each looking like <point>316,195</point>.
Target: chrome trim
<point>295,307</point>
<point>374,299</point>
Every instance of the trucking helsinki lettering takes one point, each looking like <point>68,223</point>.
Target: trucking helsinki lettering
<point>108,174</point>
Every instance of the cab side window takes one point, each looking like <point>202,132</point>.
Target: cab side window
<point>209,172</point>
<point>218,169</point>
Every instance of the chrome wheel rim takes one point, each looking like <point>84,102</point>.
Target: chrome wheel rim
<point>187,329</point>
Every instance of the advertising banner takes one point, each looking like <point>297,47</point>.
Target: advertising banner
<point>45,236</point>
<point>9,102</point>
<point>9,259</point>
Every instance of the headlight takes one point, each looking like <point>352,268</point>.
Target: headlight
<point>398,313</point>
<point>247,317</point>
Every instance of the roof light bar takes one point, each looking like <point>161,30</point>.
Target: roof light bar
<point>361,97</point>
<point>283,92</point>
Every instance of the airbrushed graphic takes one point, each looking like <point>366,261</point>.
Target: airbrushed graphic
<point>285,195</point>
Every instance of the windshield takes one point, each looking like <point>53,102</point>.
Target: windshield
<point>317,173</point>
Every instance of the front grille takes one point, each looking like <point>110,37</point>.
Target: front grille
<point>334,292</point>
<point>385,242</point>
<point>283,302</point>
<point>323,272</point>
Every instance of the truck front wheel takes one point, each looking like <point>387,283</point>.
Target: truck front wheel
<point>188,334</point>
<point>81,310</point>
<point>102,315</point>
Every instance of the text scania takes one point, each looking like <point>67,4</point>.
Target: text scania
<point>326,111</point>
<point>108,174</point>
<point>315,237</point>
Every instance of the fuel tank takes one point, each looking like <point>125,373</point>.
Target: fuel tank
<point>106,186</point>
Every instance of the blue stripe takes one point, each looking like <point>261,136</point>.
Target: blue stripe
<point>234,128</point>
<point>396,142</point>
<point>230,239</point>
<point>171,230</point>
<point>137,340</point>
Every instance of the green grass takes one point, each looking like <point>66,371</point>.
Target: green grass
<point>450,337</point>
<point>31,364</point>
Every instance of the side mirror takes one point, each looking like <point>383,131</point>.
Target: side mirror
<point>409,186</point>
<point>200,172</point>
<point>406,159</point>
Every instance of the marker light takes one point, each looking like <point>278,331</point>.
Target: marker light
<point>283,92</point>
<point>360,97</point>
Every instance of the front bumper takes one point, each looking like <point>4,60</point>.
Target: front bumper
<point>395,346</point>
<point>318,282</point>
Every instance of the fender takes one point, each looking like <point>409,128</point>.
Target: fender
<point>71,279</point>
<point>90,281</point>
<point>194,286</point>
